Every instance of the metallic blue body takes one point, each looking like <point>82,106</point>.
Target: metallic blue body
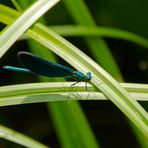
<point>35,64</point>
<point>12,68</point>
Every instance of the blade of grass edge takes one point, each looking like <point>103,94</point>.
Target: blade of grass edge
<point>36,92</point>
<point>22,23</point>
<point>19,138</point>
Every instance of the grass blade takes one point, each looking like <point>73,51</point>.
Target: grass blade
<point>77,30</point>
<point>57,91</point>
<point>19,138</point>
<point>7,16</point>
<point>15,30</point>
<point>96,44</point>
<point>100,78</point>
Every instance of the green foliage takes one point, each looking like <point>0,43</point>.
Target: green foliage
<point>104,86</point>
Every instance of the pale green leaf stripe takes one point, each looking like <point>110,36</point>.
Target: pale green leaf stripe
<point>15,30</point>
<point>58,91</point>
<point>7,16</point>
<point>19,138</point>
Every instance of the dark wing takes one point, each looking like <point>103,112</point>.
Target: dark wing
<point>42,67</point>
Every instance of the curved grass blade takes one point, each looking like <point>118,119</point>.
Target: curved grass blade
<point>57,91</point>
<point>77,30</point>
<point>15,30</point>
<point>7,16</point>
<point>19,138</point>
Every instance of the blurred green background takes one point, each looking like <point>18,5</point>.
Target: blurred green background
<point>108,123</point>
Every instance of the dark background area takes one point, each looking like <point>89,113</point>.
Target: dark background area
<point>110,126</point>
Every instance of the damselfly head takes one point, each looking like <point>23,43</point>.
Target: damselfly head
<point>89,76</point>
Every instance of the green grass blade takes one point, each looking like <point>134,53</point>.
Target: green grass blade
<point>17,6</point>
<point>19,138</point>
<point>7,16</point>
<point>57,91</point>
<point>15,30</point>
<point>81,15</point>
<point>73,30</point>
<point>72,129</point>
<point>110,88</point>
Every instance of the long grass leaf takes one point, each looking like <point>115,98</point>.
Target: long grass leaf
<point>15,30</point>
<point>57,91</point>
<point>7,16</point>
<point>101,79</point>
<point>77,30</point>
<point>81,15</point>
<point>19,138</point>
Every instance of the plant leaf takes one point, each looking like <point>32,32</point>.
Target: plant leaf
<point>58,91</point>
<point>15,30</point>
